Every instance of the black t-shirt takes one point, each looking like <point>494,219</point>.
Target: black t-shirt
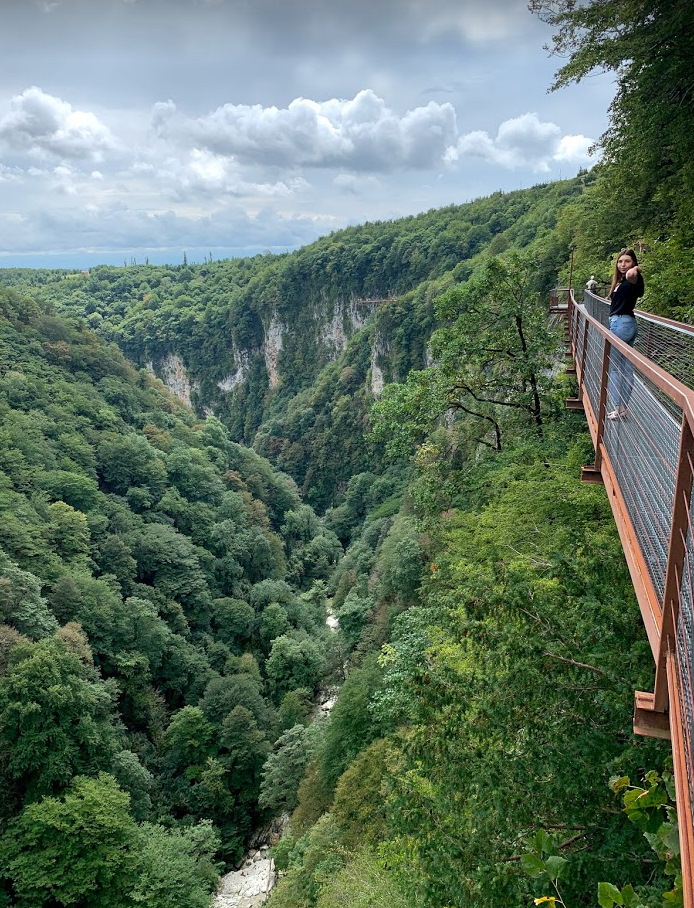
<point>624,296</point>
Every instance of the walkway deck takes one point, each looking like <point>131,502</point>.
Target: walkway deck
<point>645,458</point>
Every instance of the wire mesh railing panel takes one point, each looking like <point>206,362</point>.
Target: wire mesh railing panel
<point>685,653</point>
<point>668,344</point>
<point>592,374</point>
<point>672,349</point>
<point>643,445</point>
<point>597,307</point>
<point>578,333</point>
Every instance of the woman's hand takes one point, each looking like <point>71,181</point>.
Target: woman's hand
<point>632,274</point>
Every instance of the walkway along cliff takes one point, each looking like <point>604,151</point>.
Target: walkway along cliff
<point>645,459</point>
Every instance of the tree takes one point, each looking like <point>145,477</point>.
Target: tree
<point>295,708</point>
<point>294,663</point>
<point>57,719</point>
<point>136,780</point>
<point>401,561</point>
<point>85,849</point>
<point>245,748</point>
<point>273,623</point>
<point>223,694</point>
<point>81,850</point>
<point>234,621</point>
<point>492,361</point>
<point>365,882</point>
<point>129,460</point>
<point>21,604</point>
<point>285,767</point>
<point>351,726</point>
<point>649,146</point>
<point>177,866</point>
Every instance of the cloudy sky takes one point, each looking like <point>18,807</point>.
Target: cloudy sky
<point>133,129</point>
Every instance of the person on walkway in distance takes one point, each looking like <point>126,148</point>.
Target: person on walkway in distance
<point>627,287</point>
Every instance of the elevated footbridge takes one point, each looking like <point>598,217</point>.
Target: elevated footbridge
<point>639,405</point>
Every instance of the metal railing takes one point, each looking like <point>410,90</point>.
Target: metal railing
<point>640,411</point>
<point>665,342</point>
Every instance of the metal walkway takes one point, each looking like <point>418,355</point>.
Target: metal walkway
<point>644,455</point>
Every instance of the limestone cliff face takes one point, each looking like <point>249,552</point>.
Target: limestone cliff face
<point>347,318</point>
<point>243,359</point>
<point>173,373</point>
<point>333,323</point>
<point>271,350</point>
<point>380,353</point>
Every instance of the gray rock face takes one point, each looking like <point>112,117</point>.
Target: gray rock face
<point>250,886</point>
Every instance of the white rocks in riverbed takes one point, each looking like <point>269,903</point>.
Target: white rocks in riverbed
<point>326,701</point>
<point>249,886</point>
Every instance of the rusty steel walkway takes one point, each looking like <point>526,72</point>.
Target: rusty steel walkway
<point>640,411</point>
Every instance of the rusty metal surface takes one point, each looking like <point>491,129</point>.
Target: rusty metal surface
<point>681,757</point>
<point>640,414</point>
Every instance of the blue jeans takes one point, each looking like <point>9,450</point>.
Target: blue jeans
<point>621,380</point>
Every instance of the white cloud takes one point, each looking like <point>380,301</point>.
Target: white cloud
<point>238,176</point>
<point>109,229</point>
<point>478,23</point>
<point>356,184</point>
<point>574,149</point>
<point>361,133</point>
<point>202,174</point>
<point>10,174</point>
<point>64,180</point>
<point>523,141</point>
<point>41,124</point>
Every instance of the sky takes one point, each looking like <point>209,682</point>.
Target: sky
<point>150,130</point>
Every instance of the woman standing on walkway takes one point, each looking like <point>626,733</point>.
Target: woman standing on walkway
<point>627,287</point>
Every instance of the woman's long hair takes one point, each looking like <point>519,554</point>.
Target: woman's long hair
<point>616,276</point>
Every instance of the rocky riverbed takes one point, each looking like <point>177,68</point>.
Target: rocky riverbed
<point>250,885</point>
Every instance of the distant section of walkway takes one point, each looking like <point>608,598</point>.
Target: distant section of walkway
<point>644,455</point>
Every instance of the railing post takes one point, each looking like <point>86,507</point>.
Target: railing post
<point>593,472</point>
<point>602,404</point>
<point>583,360</point>
<point>571,330</point>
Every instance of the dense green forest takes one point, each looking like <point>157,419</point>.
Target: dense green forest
<point>372,426</point>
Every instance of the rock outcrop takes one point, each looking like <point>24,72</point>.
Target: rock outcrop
<point>250,885</point>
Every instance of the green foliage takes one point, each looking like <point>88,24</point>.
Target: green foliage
<point>543,862</point>
<point>492,362</point>
<point>58,719</point>
<point>177,866</point>
<point>359,806</point>
<point>285,768</point>
<point>86,849</point>
<point>364,882</point>
<point>652,810</point>
<point>78,850</point>
<point>134,537</point>
<point>191,578</point>
<point>401,561</point>
<point>292,663</point>
<point>351,726</point>
<point>507,681</point>
<point>314,861</point>
<point>645,181</point>
<point>21,603</point>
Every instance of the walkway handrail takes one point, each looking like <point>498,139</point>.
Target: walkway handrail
<point>640,413</point>
<point>667,343</point>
